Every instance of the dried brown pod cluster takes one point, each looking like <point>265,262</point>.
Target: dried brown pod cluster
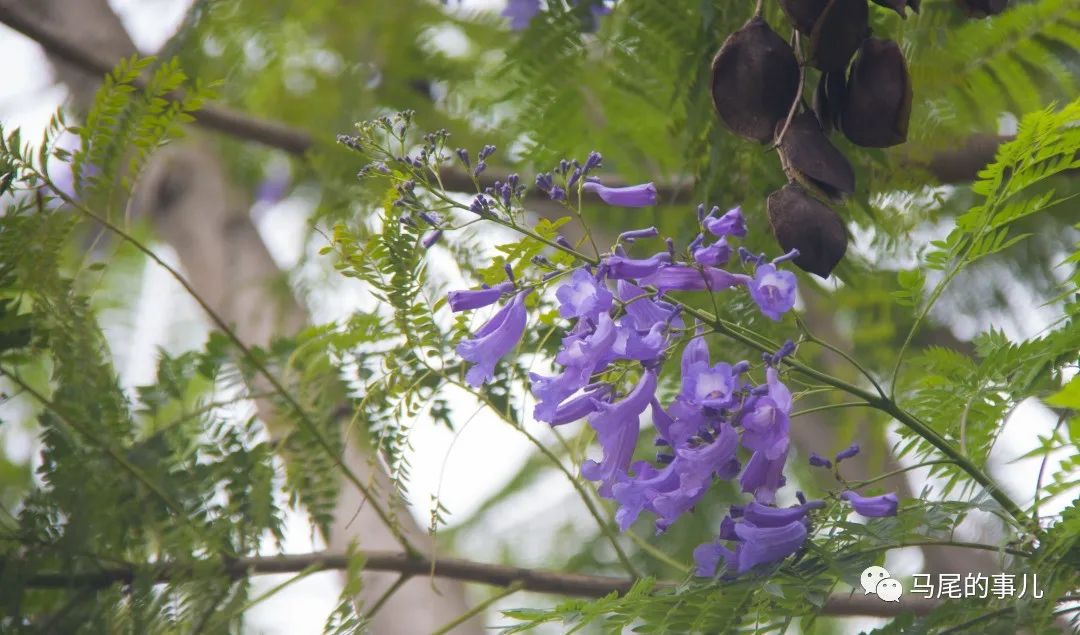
<point>863,91</point>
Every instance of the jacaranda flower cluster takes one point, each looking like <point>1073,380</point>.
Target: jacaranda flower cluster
<point>719,425</point>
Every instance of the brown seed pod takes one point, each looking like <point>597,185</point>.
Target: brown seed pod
<point>800,221</point>
<point>755,78</point>
<point>807,155</point>
<point>877,106</point>
<point>803,13</point>
<point>982,8</point>
<point>899,5</point>
<point>828,98</point>
<point>842,27</point>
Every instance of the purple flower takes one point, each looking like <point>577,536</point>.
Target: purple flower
<point>521,12</point>
<point>583,296</point>
<point>673,491</point>
<point>583,351</point>
<point>431,238</point>
<point>872,506</point>
<point>715,254</point>
<point>687,278</point>
<point>617,426</point>
<point>730,224</point>
<point>773,291</point>
<point>816,460</point>
<point>634,234</point>
<point>477,298</point>
<point>495,339</point>
<point>645,311</point>
<point>640,346</point>
<point>621,267</point>
<point>763,476</point>
<point>762,535</point>
<point>847,453</point>
<point>579,407</point>
<point>765,424</point>
<point>713,387</point>
<point>642,195</point>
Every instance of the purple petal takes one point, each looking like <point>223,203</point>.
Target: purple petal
<point>477,298</point>
<point>872,506</point>
<point>642,195</point>
<point>495,339</point>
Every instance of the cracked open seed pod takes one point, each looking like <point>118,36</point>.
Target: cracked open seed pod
<point>800,221</point>
<point>808,156</point>
<point>842,27</point>
<point>755,78</point>
<point>877,106</point>
<point>982,8</point>
<point>803,14</point>
<point>899,5</point>
<point>828,99</point>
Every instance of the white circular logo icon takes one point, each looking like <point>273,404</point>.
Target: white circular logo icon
<point>876,580</point>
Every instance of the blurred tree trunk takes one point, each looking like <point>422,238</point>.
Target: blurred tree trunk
<point>193,207</point>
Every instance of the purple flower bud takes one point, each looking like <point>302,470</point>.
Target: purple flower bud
<point>634,234</point>
<point>701,212</point>
<point>513,181</point>
<point>642,195</point>
<point>696,242</point>
<point>872,506</point>
<point>561,241</point>
<point>572,181</point>
<point>670,246</point>
<point>509,272</point>
<point>730,224</point>
<point>564,166</point>
<point>593,161</point>
<point>544,181</point>
<point>480,167</point>
<point>480,206</point>
<point>463,156</point>
<point>431,238</point>
<point>714,255</point>
<point>557,193</point>
<point>477,298</point>
<point>791,255</point>
<point>748,257</point>
<point>486,152</point>
<point>851,451</point>
<point>817,460</point>
<point>431,218</point>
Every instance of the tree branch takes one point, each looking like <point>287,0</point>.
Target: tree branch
<point>952,166</point>
<point>536,580</point>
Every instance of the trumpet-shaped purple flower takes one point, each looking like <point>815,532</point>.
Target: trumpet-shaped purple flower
<point>763,476</point>
<point>673,491</point>
<point>765,423</point>
<point>645,311</point>
<point>643,195</point>
<point>872,506</point>
<point>641,346</point>
<point>762,535</point>
<point>621,267</point>
<point>583,351</point>
<point>617,426</point>
<point>477,298</point>
<point>687,278</point>
<point>731,223</point>
<point>583,296</point>
<point>773,291</point>
<point>495,339</point>
<point>714,255</point>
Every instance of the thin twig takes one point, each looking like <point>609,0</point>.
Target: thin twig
<point>535,580</point>
<point>478,609</point>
